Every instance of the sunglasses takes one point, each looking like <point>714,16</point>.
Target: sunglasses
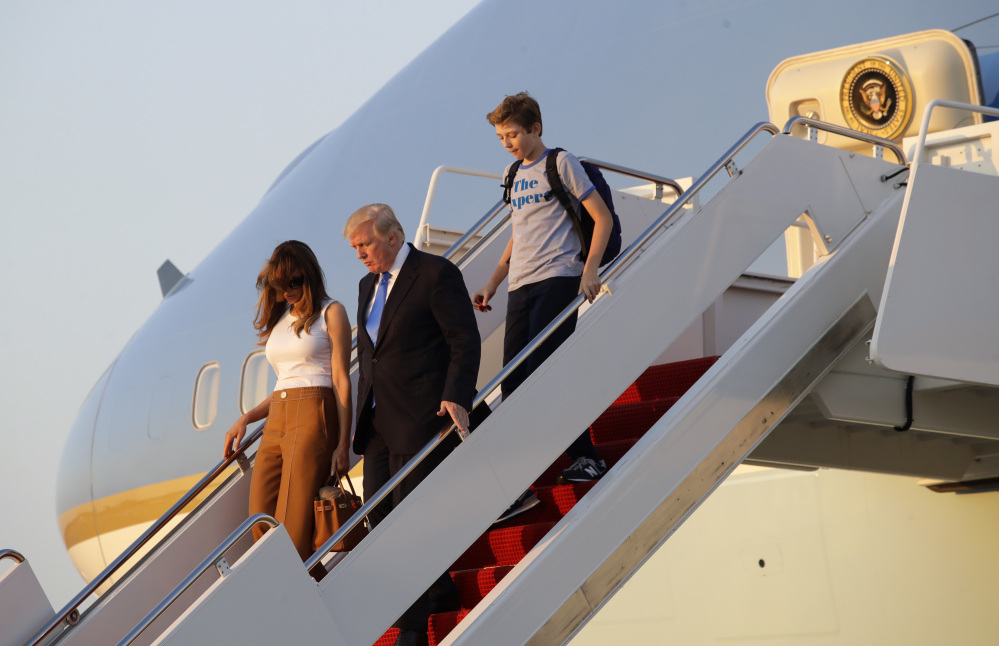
<point>294,283</point>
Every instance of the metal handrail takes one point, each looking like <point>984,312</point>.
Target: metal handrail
<point>487,390</point>
<point>657,180</point>
<point>638,174</point>
<point>12,554</point>
<point>943,103</point>
<point>66,614</point>
<point>474,230</point>
<point>877,142</point>
<point>486,239</point>
<point>432,192</point>
<point>209,561</point>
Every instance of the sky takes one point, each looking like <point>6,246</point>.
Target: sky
<point>132,133</point>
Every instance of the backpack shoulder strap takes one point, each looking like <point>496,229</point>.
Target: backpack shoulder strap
<point>558,189</point>
<point>554,181</point>
<point>508,180</point>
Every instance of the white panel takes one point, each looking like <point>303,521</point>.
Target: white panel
<point>267,598</point>
<point>944,255</point>
<point>766,564</point>
<point>24,608</point>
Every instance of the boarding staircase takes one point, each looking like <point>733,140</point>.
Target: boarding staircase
<point>494,554</point>
<point>663,478</point>
<point>671,437</point>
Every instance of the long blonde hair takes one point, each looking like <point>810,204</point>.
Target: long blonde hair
<point>291,259</point>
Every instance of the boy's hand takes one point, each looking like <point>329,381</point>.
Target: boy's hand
<point>589,284</point>
<point>480,299</point>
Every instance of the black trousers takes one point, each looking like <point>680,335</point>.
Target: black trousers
<point>529,310</point>
<point>379,467</point>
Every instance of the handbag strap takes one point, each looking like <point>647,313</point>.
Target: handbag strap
<point>349,483</point>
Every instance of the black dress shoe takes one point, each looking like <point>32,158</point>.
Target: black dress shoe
<point>412,638</point>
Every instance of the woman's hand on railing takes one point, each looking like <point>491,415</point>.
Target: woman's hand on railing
<point>234,437</point>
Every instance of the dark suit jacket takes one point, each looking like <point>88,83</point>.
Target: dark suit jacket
<point>428,351</point>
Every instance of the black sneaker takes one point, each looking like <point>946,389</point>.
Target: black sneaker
<point>583,470</point>
<point>526,502</point>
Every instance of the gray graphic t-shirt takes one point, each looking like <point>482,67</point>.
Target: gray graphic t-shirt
<point>545,244</point>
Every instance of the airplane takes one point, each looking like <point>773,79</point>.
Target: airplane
<point>650,86</point>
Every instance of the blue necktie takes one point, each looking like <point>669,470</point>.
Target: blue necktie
<point>375,317</point>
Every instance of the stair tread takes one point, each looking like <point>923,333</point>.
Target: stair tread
<point>494,554</point>
<point>475,584</point>
<point>630,420</point>
<point>502,546</point>
<point>666,380</point>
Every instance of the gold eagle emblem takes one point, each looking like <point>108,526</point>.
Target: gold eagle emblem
<point>876,98</point>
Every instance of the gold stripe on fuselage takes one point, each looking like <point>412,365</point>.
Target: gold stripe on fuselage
<point>133,507</point>
<point>137,506</point>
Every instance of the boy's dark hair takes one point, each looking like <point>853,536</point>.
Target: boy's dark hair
<point>520,108</point>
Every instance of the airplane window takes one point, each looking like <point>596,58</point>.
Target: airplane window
<point>256,381</point>
<point>206,395</point>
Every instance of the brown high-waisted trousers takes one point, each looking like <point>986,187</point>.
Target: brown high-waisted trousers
<point>294,460</point>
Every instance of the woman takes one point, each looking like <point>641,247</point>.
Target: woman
<point>307,340</point>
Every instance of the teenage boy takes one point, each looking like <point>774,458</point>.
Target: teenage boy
<point>543,261</point>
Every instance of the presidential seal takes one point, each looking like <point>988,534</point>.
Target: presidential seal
<point>876,98</point>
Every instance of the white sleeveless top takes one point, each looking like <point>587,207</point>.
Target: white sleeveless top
<point>300,362</point>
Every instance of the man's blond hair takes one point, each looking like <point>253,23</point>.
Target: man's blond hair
<point>384,219</point>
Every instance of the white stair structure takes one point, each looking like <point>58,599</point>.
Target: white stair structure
<point>23,604</point>
<point>784,393</point>
<point>709,248</point>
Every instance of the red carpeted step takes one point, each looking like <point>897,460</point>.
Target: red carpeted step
<point>438,628</point>
<point>440,625</point>
<point>503,546</point>
<point>666,380</point>
<point>473,585</point>
<point>629,421</point>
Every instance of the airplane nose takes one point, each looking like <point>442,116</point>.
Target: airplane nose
<point>74,501</point>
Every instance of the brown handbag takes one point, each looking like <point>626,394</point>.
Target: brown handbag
<point>334,507</point>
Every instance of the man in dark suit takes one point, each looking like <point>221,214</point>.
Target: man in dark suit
<point>418,351</point>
